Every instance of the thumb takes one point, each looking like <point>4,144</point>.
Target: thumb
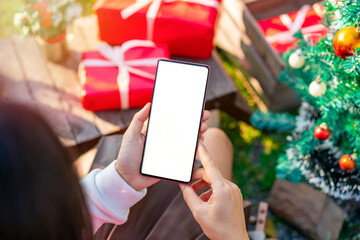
<point>138,120</point>
<point>191,198</point>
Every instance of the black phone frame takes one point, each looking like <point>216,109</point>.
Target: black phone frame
<point>202,113</point>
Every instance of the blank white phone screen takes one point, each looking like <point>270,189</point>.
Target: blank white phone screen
<point>174,122</point>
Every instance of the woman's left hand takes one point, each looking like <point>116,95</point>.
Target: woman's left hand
<point>130,154</point>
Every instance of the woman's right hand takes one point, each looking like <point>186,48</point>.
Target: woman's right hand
<point>219,211</point>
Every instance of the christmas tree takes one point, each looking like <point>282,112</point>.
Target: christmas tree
<point>323,146</point>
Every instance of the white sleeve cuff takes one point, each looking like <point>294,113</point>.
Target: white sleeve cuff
<point>108,196</point>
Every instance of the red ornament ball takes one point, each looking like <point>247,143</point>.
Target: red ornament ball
<point>322,132</point>
<point>347,163</point>
<point>346,41</point>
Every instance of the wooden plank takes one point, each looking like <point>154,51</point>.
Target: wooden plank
<point>13,85</point>
<point>223,84</point>
<point>284,99</point>
<point>231,37</point>
<point>250,83</point>
<point>89,29</point>
<point>68,87</point>
<point>247,211</point>
<point>82,165</point>
<point>228,38</point>
<point>233,9</point>
<point>237,107</point>
<point>127,115</point>
<point>228,35</point>
<point>76,47</point>
<point>41,86</point>
<point>278,96</point>
<point>253,31</point>
<point>231,26</point>
<point>261,216</point>
<point>80,120</point>
<point>108,150</point>
<point>255,34</point>
<point>312,212</point>
<point>237,22</point>
<point>229,32</point>
<point>254,53</point>
<point>259,70</point>
<point>260,5</point>
<point>265,9</point>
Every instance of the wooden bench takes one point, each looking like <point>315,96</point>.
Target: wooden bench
<point>240,36</point>
<point>53,90</point>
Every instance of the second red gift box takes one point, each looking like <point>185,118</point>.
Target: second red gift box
<point>279,30</point>
<point>120,77</point>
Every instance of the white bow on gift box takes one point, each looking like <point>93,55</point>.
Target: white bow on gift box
<point>154,9</point>
<point>115,58</point>
<point>287,36</point>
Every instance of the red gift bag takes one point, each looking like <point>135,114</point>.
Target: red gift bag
<point>120,77</point>
<point>186,26</point>
<point>279,31</point>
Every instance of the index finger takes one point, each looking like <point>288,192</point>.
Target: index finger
<point>206,116</point>
<point>138,120</point>
<point>210,167</point>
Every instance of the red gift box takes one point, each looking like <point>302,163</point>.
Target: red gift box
<point>279,31</point>
<point>187,27</point>
<point>120,77</point>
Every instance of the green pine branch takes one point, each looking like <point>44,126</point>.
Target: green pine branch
<point>287,170</point>
<point>282,122</point>
<point>352,65</point>
<point>350,14</point>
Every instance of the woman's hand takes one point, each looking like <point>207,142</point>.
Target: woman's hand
<point>219,211</point>
<point>130,154</point>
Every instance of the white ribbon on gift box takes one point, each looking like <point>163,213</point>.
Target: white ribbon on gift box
<point>154,9</point>
<point>287,36</point>
<point>115,56</point>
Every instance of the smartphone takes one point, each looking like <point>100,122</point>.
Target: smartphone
<point>174,123</point>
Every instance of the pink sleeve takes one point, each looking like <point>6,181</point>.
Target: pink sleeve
<point>108,196</point>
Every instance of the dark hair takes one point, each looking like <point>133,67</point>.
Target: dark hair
<point>40,196</point>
